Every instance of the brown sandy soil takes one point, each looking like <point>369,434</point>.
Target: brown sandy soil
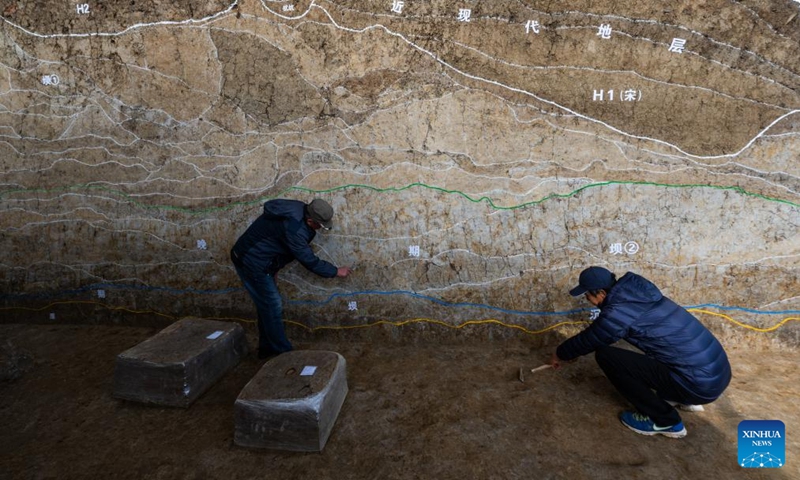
<point>425,410</point>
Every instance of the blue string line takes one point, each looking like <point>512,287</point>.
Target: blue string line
<point>111,286</point>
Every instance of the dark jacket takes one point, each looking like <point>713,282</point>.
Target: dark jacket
<point>277,237</point>
<point>636,311</point>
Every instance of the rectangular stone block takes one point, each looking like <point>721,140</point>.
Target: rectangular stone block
<point>284,407</point>
<point>175,366</point>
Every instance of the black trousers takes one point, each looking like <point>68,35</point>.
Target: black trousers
<point>644,382</point>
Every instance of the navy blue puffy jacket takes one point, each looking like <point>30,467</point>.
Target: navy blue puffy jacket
<point>277,237</point>
<point>636,311</point>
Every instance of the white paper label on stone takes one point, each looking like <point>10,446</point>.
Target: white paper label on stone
<point>215,335</point>
<point>308,370</point>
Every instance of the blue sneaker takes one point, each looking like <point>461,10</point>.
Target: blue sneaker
<point>642,424</point>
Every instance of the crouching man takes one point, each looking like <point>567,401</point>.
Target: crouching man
<point>683,364</point>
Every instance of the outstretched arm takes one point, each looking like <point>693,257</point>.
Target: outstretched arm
<point>298,242</point>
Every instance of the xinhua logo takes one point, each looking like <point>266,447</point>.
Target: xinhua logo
<point>762,444</point>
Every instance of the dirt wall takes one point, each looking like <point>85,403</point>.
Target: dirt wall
<point>478,156</point>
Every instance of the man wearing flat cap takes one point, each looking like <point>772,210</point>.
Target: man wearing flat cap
<point>682,363</point>
<point>281,234</point>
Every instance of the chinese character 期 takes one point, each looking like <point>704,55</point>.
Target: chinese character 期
<point>464,14</point>
<point>677,46</point>
<point>352,306</point>
<point>397,6</point>
<point>604,31</point>
<point>532,25</point>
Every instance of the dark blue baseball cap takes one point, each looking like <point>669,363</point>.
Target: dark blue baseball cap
<point>593,278</point>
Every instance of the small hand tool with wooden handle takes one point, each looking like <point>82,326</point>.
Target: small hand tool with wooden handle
<point>533,370</point>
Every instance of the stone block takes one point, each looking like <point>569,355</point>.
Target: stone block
<point>175,366</point>
<point>285,408</point>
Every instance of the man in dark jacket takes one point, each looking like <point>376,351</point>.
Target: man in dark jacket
<point>281,234</point>
<point>683,363</point>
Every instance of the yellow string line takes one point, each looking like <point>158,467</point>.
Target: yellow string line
<point>744,325</point>
<point>399,323</point>
<point>436,322</point>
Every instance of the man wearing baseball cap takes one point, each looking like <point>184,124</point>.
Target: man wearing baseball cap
<point>281,234</point>
<point>682,363</point>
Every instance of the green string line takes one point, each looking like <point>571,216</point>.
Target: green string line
<point>485,199</point>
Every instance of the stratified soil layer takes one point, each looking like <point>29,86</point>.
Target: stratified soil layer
<point>478,156</point>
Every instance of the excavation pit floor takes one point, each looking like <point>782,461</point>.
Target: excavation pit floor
<point>414,411</point>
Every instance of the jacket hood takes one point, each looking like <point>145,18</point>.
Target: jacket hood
<point>285,209</point>
<point>634,288</point>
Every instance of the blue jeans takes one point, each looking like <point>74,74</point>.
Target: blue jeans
<point>271,334</point>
